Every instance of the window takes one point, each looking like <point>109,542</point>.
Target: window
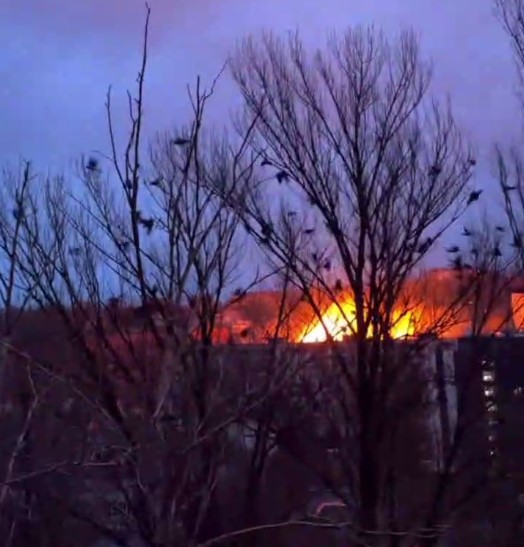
<point>487,363</point>
<point>488,376</point>
<point>492,408</point>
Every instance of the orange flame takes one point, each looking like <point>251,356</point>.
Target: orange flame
<point>339,321</point>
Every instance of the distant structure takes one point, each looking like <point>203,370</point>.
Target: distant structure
<point>496,307</point>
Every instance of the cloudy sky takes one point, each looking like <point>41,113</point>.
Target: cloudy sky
<point>59,56</point>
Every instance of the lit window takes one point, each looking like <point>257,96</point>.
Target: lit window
<point>518,391</point>
<point>489,392</point>
<point>487,376</point>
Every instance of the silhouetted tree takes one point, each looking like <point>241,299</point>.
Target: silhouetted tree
<point>136,262</point>
<point>373,171</point>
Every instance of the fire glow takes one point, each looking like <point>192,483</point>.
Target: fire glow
<point>427,305</point>
<point>340,321</point>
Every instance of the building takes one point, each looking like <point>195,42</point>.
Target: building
<point>451,408</point>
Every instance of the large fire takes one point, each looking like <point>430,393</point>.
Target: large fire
<point>427,305</point>
<point>339,321</point>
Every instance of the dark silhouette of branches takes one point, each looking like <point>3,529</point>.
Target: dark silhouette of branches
<point>378,171</point>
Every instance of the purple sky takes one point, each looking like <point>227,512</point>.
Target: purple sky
<point>59,56</point>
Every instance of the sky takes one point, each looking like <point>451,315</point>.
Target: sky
<point>58,58</point>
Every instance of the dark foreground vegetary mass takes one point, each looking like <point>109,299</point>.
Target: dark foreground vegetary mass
<point>144,404</point>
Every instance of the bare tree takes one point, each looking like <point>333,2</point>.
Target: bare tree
<point>509,169</point>
<point>363,174</point>
<point>511,15</point>
<point>14,297</point>
<point>509,165</point>
<point>136,261</point>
